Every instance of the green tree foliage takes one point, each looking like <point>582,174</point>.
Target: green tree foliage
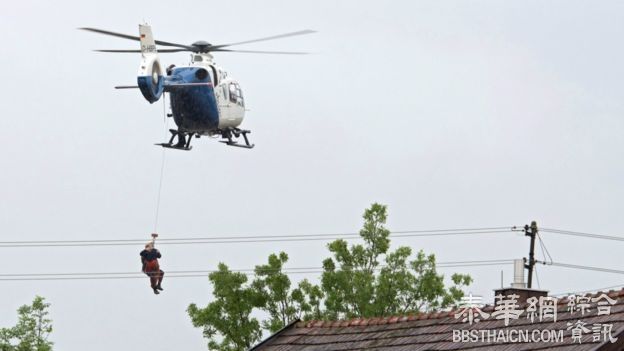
<point>361,280</point>
<point>31,331</point>
<point>227,321</point>
<point>282,303</point>
<point>274,287</point>
<point>357,284</point>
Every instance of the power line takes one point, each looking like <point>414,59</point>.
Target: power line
<point>250,238</point>
<point>203,273</point>
<point>545,252</point>
<point>606,288</point>
<point>582,234</point>
<point>588,268</point>
<point>432,231</point>
<point>438,264</point>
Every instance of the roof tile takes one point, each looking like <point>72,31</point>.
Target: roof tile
<point>429,331</point>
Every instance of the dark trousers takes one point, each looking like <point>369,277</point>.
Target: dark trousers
<point>153,271</point>
<point>156,278</point>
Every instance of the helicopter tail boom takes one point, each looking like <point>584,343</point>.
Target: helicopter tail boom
<point>150,78</point>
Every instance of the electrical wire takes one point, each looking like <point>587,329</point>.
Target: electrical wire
<point>438,264</point>
<point>582,234</point>
<point>606,288</point>
<point>588,268</point>
<point>204,273</point>
<point>545,253</point>
<point>249,239</point>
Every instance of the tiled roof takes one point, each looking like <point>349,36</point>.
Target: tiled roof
<point>434,331</point>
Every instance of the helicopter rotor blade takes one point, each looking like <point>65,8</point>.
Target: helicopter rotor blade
<point>279,36</point>
<point>263,52</point>
<point>135,51</point>
<point>132,37</point>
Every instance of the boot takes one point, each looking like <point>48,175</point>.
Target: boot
<point>159,287</point>
<point>156,291</point>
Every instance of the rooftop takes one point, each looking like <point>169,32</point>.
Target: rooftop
<point>443,330</point>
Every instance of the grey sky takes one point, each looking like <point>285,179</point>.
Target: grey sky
<point>455,114</point>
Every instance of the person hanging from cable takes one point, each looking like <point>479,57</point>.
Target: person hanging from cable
<point>151,267</point>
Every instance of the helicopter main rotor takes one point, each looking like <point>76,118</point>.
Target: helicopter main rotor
<point>202,46</point>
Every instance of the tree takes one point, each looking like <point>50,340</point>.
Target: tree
<point>361,280</point>
<point>31,331</point>
<point>227,321</point>
<point>274,288</point>
<point>356,284</point>
<point>282,303</point>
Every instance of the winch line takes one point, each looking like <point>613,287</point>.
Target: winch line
<point>162,166</point>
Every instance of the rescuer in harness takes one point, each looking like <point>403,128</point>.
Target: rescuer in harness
<point>149,260</point>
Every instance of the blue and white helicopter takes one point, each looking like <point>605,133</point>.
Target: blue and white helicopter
<point>204,99</point>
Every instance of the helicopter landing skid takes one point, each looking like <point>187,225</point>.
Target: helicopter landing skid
<point>236,133</point>
<point>184,140</point>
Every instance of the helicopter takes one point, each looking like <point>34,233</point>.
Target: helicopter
<point>204,99</point>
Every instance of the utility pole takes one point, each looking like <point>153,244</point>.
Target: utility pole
<point>530,231</point>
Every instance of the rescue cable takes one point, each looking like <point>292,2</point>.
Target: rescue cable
<point>162,166</point>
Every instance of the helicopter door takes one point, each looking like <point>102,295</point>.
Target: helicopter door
<point>222,101</point>
<point>232,105</point>
<point>222,96</point>
<point>236,95</point>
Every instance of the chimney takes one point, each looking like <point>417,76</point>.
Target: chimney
<point>518,287</point>
<point>518,282</point>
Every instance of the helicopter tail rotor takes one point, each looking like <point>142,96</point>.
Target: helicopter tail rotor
<point>150,76</point>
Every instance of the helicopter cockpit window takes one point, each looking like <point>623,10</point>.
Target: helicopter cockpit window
<point>236,95</point>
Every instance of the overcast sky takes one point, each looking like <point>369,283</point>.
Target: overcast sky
<point>453,113</point>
